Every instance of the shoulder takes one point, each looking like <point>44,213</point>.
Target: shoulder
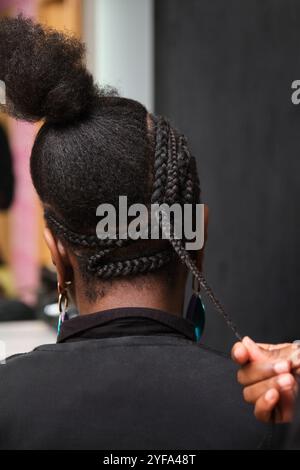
<point>21,363</point>
<point>195,380</point>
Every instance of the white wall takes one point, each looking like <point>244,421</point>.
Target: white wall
<point>119,37</point>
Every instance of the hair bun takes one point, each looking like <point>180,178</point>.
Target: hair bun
<point>44,73</point>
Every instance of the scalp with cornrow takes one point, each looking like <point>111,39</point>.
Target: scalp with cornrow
<point>175,180</point>
<point>165,189</point>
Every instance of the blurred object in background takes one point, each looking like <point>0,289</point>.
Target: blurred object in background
<point>21,337</point>
<point>22,248</point>
<point>120,43</point>
<point>24,221</point>
<point>6,172</point>
<point>14,310</point>
<point>6,198</point>
<point>6,281</point>
<point>21,226</point>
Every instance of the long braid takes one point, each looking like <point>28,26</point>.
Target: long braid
<point>186,259</point>
<point>183,168</point>
<point>182,180</point>
<point>172,185</point>
<point>162,130</point>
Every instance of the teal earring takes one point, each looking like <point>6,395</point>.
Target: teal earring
<point>196,310</point>
<point>63,303</point>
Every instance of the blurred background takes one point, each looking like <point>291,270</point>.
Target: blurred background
<point>222,72</point>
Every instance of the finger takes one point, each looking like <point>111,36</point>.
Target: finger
<point>295,357</point>
<point>255,352</point>
<point>285,409</point>
<point>240,354</point>
<point>282,383</point>
<point>272,347</point>
<point>266,404</point>
<point>286,351</point>
<point>282,351</point>
<point>258,371</point>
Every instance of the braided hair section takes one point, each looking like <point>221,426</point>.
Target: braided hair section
<point>100,264</point>
<point>131,267</point>
<point>176,180</point>
<point>186,259</point>
<point>81,239</point>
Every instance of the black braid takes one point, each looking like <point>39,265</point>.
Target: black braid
<point>183,186</point>
<point>81,239</point>
<point>172,186</point>
<point>162,129</point>
<point>134,266</point>
<point>93,261</point>
<point>186,259</point>
<point>191,191</point>
<point>183,164</point>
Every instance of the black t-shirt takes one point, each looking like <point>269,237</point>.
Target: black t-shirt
<point>127,378</point>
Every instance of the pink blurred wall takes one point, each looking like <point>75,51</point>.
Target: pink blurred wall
<point>24,228</point>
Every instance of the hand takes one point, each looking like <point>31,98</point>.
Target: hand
<point>267,374</point>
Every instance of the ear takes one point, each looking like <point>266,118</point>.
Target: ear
<point>200,253</point>
<point>60,257</point>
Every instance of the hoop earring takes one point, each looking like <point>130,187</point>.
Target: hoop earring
<point>63,303</point>
<point>196,310</point>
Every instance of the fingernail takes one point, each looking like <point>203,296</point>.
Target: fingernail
<point>270,395</point>
<point>248,342</point>
<point>281,367</point>
<point>285,381</point>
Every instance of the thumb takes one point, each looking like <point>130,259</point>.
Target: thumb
<point>240,353</point>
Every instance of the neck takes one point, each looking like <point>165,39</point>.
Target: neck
<point>120,294</point>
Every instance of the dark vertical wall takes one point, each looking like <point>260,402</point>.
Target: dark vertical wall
<point>223,75</point>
